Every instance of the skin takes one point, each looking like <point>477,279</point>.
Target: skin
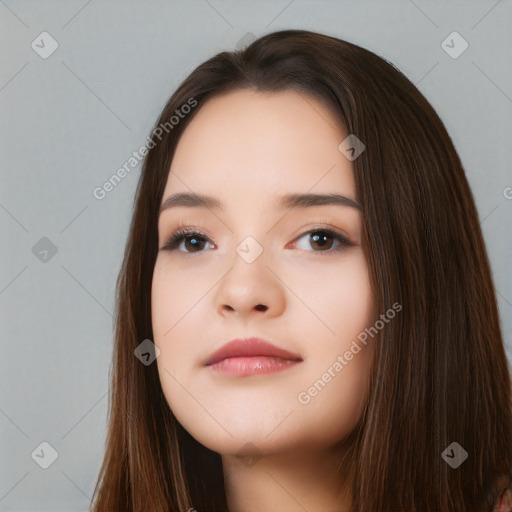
<point>247,148</point>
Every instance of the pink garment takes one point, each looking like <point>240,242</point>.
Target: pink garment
<point>505,502</point>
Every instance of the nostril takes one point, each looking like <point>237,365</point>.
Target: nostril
<point>261,307</point>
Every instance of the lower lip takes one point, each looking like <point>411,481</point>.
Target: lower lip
<point>242,366</point>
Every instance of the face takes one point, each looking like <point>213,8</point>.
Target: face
<point>291,274</point>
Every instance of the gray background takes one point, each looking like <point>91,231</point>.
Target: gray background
<point>69,121</point>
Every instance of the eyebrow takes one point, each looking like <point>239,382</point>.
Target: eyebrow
<point>193,200</point>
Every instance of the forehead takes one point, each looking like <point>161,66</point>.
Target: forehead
<point>257,145</point>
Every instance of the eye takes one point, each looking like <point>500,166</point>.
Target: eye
<point>193,240</point>
<point>324,239</point>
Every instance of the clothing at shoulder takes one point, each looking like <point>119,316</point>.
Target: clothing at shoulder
<point>505,502</point>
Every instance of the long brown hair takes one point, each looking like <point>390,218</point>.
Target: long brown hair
<point>440,372</point>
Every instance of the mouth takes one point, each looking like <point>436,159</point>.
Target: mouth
<point>251,356</point>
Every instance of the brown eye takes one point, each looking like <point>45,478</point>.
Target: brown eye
<point>323,240</point>
<point>192,240</point>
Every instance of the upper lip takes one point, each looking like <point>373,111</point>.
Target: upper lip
<point>250,347</point>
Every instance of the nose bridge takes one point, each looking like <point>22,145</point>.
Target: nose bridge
<point>249,284</point>
<point>249,232</point>
<point>249,266</point>
<point>250,249</point>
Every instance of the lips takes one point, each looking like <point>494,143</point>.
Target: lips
<point>250,347</point>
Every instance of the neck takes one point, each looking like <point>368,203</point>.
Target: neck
<point>293,481</point>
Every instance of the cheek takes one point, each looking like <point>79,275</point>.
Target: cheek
<point>350,304</point>
<point>339,299</point>
<point>333,390</point>
<point>335,403</point>
<point>174,295</point>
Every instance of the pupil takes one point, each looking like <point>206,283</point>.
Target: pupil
<point>193,239</point>
<point>316,239</point>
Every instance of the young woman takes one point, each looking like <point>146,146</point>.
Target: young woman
<point>306,256</point>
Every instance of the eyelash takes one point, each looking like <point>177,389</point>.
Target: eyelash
<point>181,233</point>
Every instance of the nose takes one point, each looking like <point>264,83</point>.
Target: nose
<point>257,307</point>
<point>250,289</point>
